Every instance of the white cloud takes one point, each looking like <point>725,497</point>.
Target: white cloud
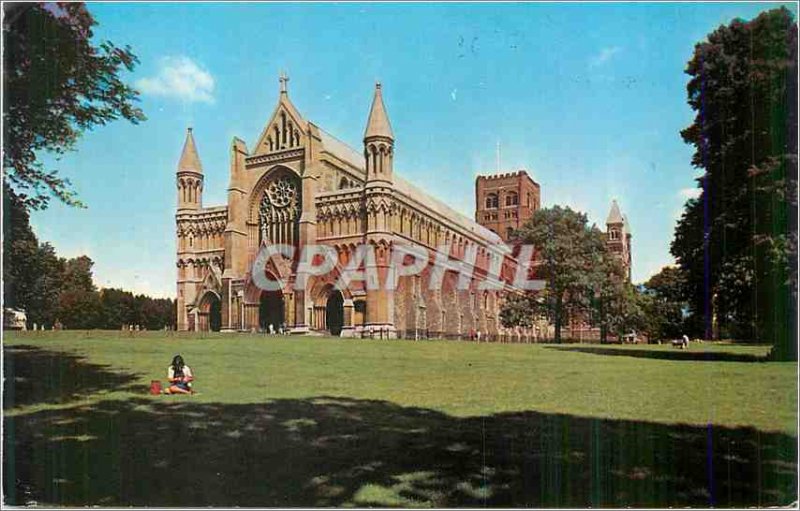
<point>690,193</point>
<point>604,56</point>
<point>181,78</point>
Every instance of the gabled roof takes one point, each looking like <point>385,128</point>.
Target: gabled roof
<point>190,160</point>
<point>285,104</point>
<point>378,124</point>
<point>614,216</point>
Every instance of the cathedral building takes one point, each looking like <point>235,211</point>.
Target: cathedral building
<point>300,186</point>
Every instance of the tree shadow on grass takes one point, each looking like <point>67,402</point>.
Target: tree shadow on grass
<point>676,354</point>
<point>36,376</point>
<point>331,451</point>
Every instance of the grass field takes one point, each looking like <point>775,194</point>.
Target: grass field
<point>318,422</point>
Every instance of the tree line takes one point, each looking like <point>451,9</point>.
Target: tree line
<point>735,244</point>
<point>54,290</point>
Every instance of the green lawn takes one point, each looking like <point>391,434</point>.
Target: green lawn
<point>318,422</point>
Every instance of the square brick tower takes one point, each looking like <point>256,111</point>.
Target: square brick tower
<point>503,202</point>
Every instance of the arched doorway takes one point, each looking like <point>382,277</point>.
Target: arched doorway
<point>210,313</point>
<point>334,312</point>
<point>215,315</point>
<point>270,311</point>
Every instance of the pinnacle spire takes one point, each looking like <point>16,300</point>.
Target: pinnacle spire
<point>378,124</point>
<point>614,216</point>
<point>190,160</point>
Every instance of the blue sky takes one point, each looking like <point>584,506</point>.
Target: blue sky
<point>589,98</point>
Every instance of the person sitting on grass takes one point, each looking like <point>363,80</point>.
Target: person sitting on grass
<point>179,376</point>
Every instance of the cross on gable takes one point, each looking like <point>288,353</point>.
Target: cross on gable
<point>284,82</point>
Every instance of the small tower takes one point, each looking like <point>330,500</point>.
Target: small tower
<point>190,176</point>
<point>618,238</point>
<point>378,141</point>
<point>378,191</point>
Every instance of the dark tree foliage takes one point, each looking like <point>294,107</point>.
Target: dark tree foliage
<point>519,310</point>
<point>735,242</point>
<point>615,306</point>
<point>54,290</point>
<point>121,308</point>
<point>57,85</point>
<point>583,279</point>
<point>31,271</point>
<point>665,305</point>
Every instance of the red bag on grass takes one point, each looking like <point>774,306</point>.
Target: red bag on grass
<point>155,387</point>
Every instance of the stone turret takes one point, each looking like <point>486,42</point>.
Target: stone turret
<point>378,197</point>
<point>378,141</point>
<point>190,176</point>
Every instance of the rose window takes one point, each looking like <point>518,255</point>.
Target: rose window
<point>282,192</point>
<point>279,211</point>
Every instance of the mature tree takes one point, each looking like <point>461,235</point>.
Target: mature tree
<point>664,301</point>
<point>568,255</point>
<point>42,297</point>
<point>118,308</point>
<point>611,300</point>
<point>33,282</point>
<point>735,241</point>
<point>57,84</point>
<point>21,246</point>
<point>79,303</point>
<point>519,309</point>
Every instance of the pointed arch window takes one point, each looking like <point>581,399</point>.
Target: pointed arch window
<point>492,201</point>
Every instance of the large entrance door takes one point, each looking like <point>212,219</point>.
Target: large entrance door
<point>210,317</point>
<point>215,315</point>
<point>334,312</point>
<point>270,311</point>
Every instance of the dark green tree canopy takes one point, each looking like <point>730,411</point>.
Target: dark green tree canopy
<point>735,241</point>
<point>581,274</point>
<point>665,304</point>
<point>57,84</point>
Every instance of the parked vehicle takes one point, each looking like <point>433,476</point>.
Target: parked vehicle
<point>14,319</point>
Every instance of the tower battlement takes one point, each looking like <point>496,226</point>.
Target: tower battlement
<point>504,201</point>
<point>504,175</point>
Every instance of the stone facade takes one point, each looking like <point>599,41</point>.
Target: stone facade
<point>301,186</point>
